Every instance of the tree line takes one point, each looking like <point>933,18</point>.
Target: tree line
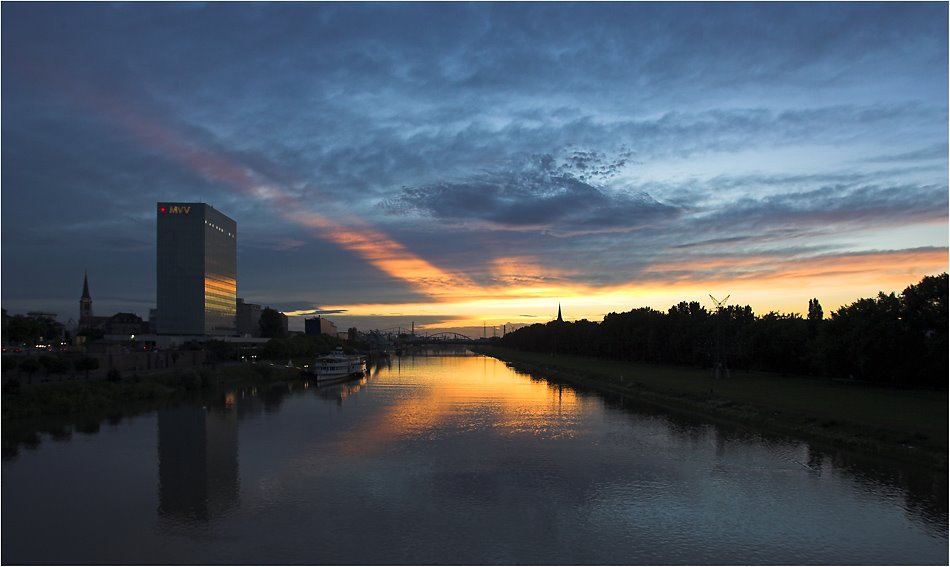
<point>28,329</point>
<point>890,339</point>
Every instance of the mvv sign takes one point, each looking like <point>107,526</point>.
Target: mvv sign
<point>175,209</point>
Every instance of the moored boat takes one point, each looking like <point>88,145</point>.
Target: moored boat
<point>338,366</point>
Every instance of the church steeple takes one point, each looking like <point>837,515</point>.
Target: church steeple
<point>559,319</point>
<point>85,302</point>
<point>85,286</point>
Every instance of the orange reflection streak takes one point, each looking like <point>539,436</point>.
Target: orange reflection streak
<point>481,393</point>
<point>220,293</point>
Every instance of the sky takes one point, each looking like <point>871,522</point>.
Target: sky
<point>466,165</point>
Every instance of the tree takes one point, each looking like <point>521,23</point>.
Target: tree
<point>86,364</point>
<point>219,351</point>
<point>925,303</point>
<point>777,343</point>
<point>815,316</point>
<point>868,340</point>
<point>689,332</point>
<point>9,363</point>
<point>91,334</point>
<point>31,330</point>
<point>54,364</point>
<point>272,324</point>
<point>24,329</point>
<point>888,339</point>
<point>924,314</point>
<point>277,349</point>
<point>30,366</point>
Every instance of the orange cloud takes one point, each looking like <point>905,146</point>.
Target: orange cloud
<point>767,283</point>
<point>384,253</point>
<point>898,263</point>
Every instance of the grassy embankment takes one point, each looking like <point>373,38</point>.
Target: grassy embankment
<point>138,391</point>
<point>900,423</point>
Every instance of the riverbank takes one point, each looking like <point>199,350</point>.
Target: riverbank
<point>146,389</point>
<point>904,424</point>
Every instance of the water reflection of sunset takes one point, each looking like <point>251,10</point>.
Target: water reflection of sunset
<point>482,393</point>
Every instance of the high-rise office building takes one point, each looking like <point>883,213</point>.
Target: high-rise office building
<point>197,270</point>
<point>319,326</point>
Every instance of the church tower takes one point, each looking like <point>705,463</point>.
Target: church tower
<point>559,319</point>
<point>85,302</point>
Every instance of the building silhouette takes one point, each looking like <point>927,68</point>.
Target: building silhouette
<point>320,326</point>
<point>124,324</point>
<point>196,270</point>
<point>87,320</point>
<point>85,302</point>
<point>118,324</point>
<point>248,318</point>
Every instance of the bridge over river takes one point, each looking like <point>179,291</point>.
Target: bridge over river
<point>444,338</point>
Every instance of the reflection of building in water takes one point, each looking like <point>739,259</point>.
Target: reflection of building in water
<point>197,462</point>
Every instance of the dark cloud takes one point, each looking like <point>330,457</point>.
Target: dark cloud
<point>543,197</point>
<point>714,242</point>
<point>307,309</point>
<point>834,207</point>
<point>930,153</point>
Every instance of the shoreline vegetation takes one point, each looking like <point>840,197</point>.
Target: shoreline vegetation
<point>146,391</point>
<point>909,425</point>
<point>111,393</point>
<point>57,409</point>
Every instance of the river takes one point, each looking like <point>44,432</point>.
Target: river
<point>452,460</point>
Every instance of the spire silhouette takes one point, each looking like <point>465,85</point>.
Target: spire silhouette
<point>559,319</point>
<point>85,302</point>
<point>85,286</point>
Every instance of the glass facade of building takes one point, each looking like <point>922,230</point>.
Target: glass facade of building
<point>197,270</point>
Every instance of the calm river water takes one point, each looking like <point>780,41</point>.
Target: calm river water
<point>449,460</point>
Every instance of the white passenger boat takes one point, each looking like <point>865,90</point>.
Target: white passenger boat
<point>337,366</point>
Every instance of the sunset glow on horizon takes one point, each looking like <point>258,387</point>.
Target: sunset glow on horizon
<point>841,281</point>
<point>484,171</point>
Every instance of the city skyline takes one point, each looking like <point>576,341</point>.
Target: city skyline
<point>467,164</point>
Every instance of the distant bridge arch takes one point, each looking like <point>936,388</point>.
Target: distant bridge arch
<point>448,336</point>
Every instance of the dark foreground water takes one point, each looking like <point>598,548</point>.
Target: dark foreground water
<point>452,460</point>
